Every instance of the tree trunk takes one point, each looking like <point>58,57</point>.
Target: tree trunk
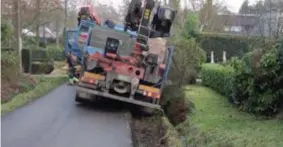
<point>57,32</point>
<point>17,32</point>
<point>65,18</point>
<point>37,22</point>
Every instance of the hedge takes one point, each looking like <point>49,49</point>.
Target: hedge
<point>255,81</point>
<point>258,81</point>
<point>235,46</point>
<point>217,77</point>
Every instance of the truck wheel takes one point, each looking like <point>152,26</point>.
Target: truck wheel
<point>79,99</point>
<point>147,111</point>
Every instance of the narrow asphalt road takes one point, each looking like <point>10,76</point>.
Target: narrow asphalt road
<point>55,120</point>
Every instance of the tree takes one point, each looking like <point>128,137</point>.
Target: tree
<point>108,12</point>
<point>208,16</point>
<point>270,13</point>
<point>187,55</point>
<point>17,32</point>
<point>34,10</point>
<point>192,24</point>
<point>245,8</point>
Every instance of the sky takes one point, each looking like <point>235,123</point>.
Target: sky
<point>233,5</point>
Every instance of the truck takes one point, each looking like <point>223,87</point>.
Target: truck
<point>123,62</point>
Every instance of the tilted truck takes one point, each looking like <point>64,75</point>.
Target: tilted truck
<point>124,63</point>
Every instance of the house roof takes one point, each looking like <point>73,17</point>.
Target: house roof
<point>239,19</point>
<point>42,30</point>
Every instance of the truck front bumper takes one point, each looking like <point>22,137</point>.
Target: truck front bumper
<point>87,93</point>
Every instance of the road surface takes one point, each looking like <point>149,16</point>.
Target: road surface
<point>56,121</point>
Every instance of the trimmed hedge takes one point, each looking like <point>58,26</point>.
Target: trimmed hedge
<point>217,77</point>
<point>235,46</point>
<point>39,61</point>
<point>255,81</point>
<point>56,52</point>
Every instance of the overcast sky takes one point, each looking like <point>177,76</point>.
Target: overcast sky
<point>233,5</point>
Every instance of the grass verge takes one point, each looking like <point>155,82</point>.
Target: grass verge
<point>216,123</point>
<point>44,85</point>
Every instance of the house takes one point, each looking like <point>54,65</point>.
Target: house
<point>266,24</point>
<point>271,24</point>
<point>238,23</point>
<point>44,32</point>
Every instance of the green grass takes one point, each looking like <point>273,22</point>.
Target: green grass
<point>216,123</point>
<point>45,84</point>
<point>171,135</point>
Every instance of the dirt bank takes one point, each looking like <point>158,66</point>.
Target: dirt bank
<point>155,131</point>
<point>18,85</point>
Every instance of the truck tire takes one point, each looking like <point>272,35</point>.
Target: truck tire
<point>79,99</point>
<point>148,112</point>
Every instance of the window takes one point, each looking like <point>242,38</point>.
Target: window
<point>232,28</point>
<point>112,45</point>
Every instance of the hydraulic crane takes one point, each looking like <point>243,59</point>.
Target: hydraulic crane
<point>138,19</point>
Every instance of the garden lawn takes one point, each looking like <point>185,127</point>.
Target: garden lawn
<point>216,123</point>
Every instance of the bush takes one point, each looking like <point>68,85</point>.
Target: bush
<point>233,45</point>
<point>188,56</point>
<point>217,77</point>
<point>258,80</point>
<point>6,32</point>
<point>255,81</point>
<point>10,71</point>
<point>55,52</point>
<point>42,68</point>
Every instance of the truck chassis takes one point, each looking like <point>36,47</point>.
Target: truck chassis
<point>90,94</point>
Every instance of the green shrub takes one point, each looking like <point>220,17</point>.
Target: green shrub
<point>171,92</point>
<point>29,42</point>
<point>188,56</point>
<point>10,70</point>
<point>55,52</point>
<point>253,82</point>
<point>6,32</point>
<point>233,45</point>
<point>217,77</point>
<point>42,68</point>
<point>258,80</point>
